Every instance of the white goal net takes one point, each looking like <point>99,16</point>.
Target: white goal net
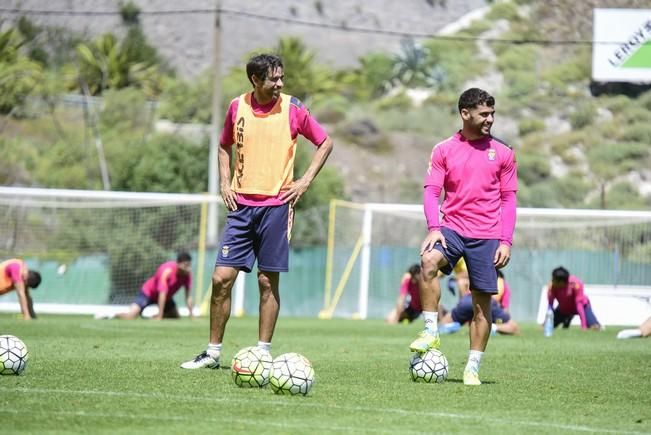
<point>372,245</point>
<point>94,247</point>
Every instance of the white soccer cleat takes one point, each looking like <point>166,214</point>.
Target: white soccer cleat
<point>203,360</point>
<point>629,333</point>
<point>104,315</point>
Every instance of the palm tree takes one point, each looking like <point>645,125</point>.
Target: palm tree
<point>18,74</point>
<point>412,69</point>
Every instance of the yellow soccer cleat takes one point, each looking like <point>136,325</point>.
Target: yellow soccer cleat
<point>425,342</point>
<point>471,378</point>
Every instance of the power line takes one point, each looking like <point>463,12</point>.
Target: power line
<point>313,24</point>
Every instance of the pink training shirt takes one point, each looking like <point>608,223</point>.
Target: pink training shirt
<point>155,285</point>
<point>413,290</point>
<point>571,298</point>
<point>480,180</point>
<point>300,122</point>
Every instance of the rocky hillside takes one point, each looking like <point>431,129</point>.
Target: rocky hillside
<point>186,39</point>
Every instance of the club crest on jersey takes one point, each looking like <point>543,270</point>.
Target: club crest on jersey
<point>491,154</point>
<point>225,250</point>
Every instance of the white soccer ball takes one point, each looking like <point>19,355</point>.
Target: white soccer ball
<point>292,374</point>
<point>13,355</point>
<point>431,366</point>
<point>251,367</point>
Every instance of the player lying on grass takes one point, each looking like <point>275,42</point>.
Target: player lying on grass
<point>160,289</point>
<point>14,275</point>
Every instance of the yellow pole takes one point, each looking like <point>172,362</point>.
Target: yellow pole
<point>201,261</point>
<point>330,253</point>
<point>327,313</point>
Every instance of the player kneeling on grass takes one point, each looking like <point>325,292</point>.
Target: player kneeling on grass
<point>14,275</point>
<point>408,305</point>
<point>160,289</point>
<point>568,291</point>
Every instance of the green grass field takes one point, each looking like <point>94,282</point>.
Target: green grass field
<point>110,376</point>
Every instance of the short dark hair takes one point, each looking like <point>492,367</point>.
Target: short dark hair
<point>183,256</point>
<point>33,279</point>
<point>414,269</point>
<point>260,64</point>
<point>473,97</point>
<point>560,274</point>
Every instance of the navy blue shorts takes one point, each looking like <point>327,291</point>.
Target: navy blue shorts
<point>566,319</point>
<point>463,313</point>
<point>143,301</point>
<point>479,255</point>
<point>260,233</point>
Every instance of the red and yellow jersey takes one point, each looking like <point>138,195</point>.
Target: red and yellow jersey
<point>265,148</point>
<point>11,271</point>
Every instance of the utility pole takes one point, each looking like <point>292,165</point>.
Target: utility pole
<point>213,168</point>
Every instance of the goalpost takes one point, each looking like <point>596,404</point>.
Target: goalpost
<point>97,248</point>
<point>370,247</point>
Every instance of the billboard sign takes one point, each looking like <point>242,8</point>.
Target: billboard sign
<point>622,45</point>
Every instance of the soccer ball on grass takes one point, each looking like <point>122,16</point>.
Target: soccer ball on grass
<point>13,355</point>
<point>292,374</point>
<point>431,366</point>
<point>251,367</point>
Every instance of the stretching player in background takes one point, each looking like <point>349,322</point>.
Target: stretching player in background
<point>503,296</point>
<point>479,176</point>
<point>568,291</point>
<point>14,275</point>
<point>643,331</point>
<point>408,305</point>
<point>160,290</point>
<point>462,314</point>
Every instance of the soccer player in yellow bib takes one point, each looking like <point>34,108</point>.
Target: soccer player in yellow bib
<point>263,125</point>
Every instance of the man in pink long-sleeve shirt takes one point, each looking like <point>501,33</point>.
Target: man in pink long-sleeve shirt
<point>479,176</point>
<point>568,291</point>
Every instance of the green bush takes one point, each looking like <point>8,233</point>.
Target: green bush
<point>125,109</point>
<point>527,126</point>
<point>503,10</point>
<point>330,109</point>
<point>533,167</point>
<point>166,163</point>
<point>577,69</point>
<point>538,195</point>
<point>638,132</point>
<point>571,190</point>
<point>633,113</point>
<point>188,101</point>
<point>607,160</point>
<point>583,115</point>
<point>622,196</point>
<point>645,100</point>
